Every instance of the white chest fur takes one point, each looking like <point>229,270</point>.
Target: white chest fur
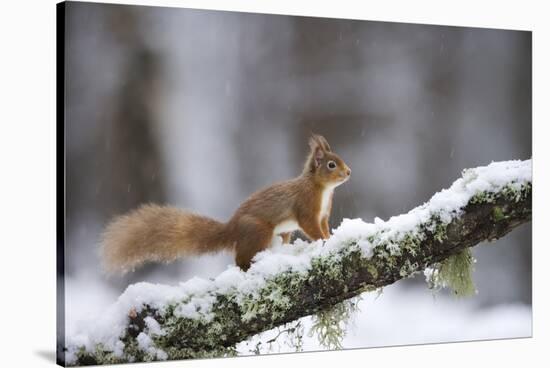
<point>287,226</point>
<point>325,200</point>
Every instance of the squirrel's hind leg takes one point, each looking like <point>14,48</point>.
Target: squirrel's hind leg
<point>325,228</point>
<point>286,237</point>
<point>313,229</point>
<point>254,236</point>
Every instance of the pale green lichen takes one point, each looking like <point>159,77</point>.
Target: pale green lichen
<point>273,299</point>
<point>410,243</point>
<point>408,269</point>
<point>497,214</point>
<point>439,231</point>
<point>384,257</point>
<point>513,191</point>
<point>330,325</point>
<point>372,270</point>
<point>455,273</point>
<point>102,355</point>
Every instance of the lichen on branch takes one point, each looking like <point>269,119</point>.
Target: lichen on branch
<point>207,318</point>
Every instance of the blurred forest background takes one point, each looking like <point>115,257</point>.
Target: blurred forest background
<point>199,109</point>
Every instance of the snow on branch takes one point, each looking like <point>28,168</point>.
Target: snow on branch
<point>206,318</point>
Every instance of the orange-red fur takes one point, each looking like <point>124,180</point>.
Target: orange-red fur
<point>154,233</point>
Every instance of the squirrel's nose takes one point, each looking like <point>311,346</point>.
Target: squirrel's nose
<point>348,171</point>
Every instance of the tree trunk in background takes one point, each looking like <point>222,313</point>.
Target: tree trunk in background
<point>133,164</point>
<point>122,148</point>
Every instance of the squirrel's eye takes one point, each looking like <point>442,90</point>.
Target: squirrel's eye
<point>331,165</point>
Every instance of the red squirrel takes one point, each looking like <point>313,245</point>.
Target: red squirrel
<point>155,233</point>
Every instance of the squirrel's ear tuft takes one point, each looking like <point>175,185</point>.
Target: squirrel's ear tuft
<point>317,152</point>
<point>319,140</point>
<point>313,143</point>
<point>324,143</point>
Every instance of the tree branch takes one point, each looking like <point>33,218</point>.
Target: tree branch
<point>207,318</point>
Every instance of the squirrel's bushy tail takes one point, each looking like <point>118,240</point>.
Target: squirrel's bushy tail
<point>155,233</point>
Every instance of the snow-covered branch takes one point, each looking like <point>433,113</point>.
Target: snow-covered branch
<point>206,318</point>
